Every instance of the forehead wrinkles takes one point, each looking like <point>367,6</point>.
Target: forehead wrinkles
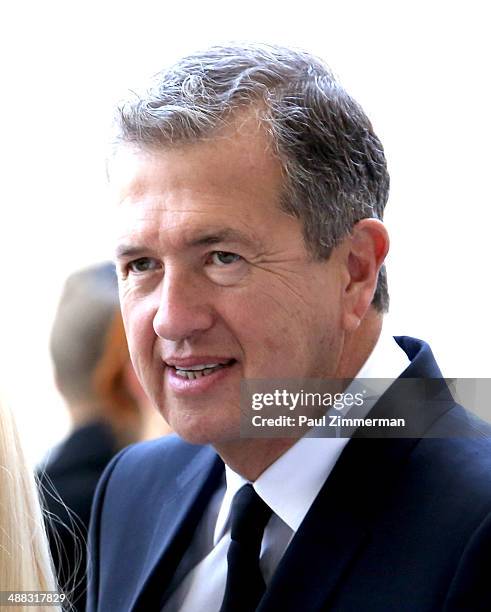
<point>162,229</point>
<point>203,188</point>
<point>241,149</point>
<point>232,182</point>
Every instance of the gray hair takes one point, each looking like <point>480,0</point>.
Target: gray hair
<point>334,164</point>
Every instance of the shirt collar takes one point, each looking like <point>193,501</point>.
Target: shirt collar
<point>290,492</point>
<point>234,483</point>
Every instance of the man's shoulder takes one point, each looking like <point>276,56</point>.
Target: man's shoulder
<point>459,445</point>
<point>149,475</point>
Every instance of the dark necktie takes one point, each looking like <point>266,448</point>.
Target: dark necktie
<point>245,584</point>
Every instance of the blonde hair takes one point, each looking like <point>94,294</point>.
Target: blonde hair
<point>25,563</point>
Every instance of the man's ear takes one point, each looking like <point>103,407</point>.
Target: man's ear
<point>366,249</point>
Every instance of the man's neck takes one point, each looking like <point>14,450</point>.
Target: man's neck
<point>250,457</point>
<point>358,347</point>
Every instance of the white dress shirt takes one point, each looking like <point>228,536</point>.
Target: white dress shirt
<point>199,583</point>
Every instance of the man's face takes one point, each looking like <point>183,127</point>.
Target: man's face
<point>216,283</point>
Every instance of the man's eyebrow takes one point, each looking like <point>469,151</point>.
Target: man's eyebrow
<point>123,251</point>
<point>225,235</point>
<point>212,237</point>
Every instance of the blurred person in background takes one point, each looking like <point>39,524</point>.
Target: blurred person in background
<point>107,406</point>
<point>25,563</point>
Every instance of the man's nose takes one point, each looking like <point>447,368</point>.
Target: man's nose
<point>183,310</point>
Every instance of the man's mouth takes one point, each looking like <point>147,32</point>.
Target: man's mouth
<point>199,370</point>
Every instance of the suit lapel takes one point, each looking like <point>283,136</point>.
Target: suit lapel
<point>338,524</point>
<point>336,527</point>
<point>175,526</point>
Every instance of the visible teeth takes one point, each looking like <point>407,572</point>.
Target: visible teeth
<point>199,367</point>
<point>194,372</point>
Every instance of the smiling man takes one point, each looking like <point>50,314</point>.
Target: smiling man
<point>218,284</point>
<point>250,191</point>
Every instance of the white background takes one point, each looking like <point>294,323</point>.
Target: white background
<point>420,69</point>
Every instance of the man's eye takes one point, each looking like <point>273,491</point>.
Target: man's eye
<point>142,264</point>
<point>224,258</point>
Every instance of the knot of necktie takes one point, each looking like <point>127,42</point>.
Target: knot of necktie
<point>248,515</point>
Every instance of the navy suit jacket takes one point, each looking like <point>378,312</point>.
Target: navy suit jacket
<point>399,525</point>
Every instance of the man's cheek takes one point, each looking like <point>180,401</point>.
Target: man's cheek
<point>148,377</point>
<point>139,326</point>
<point>141,348</point>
